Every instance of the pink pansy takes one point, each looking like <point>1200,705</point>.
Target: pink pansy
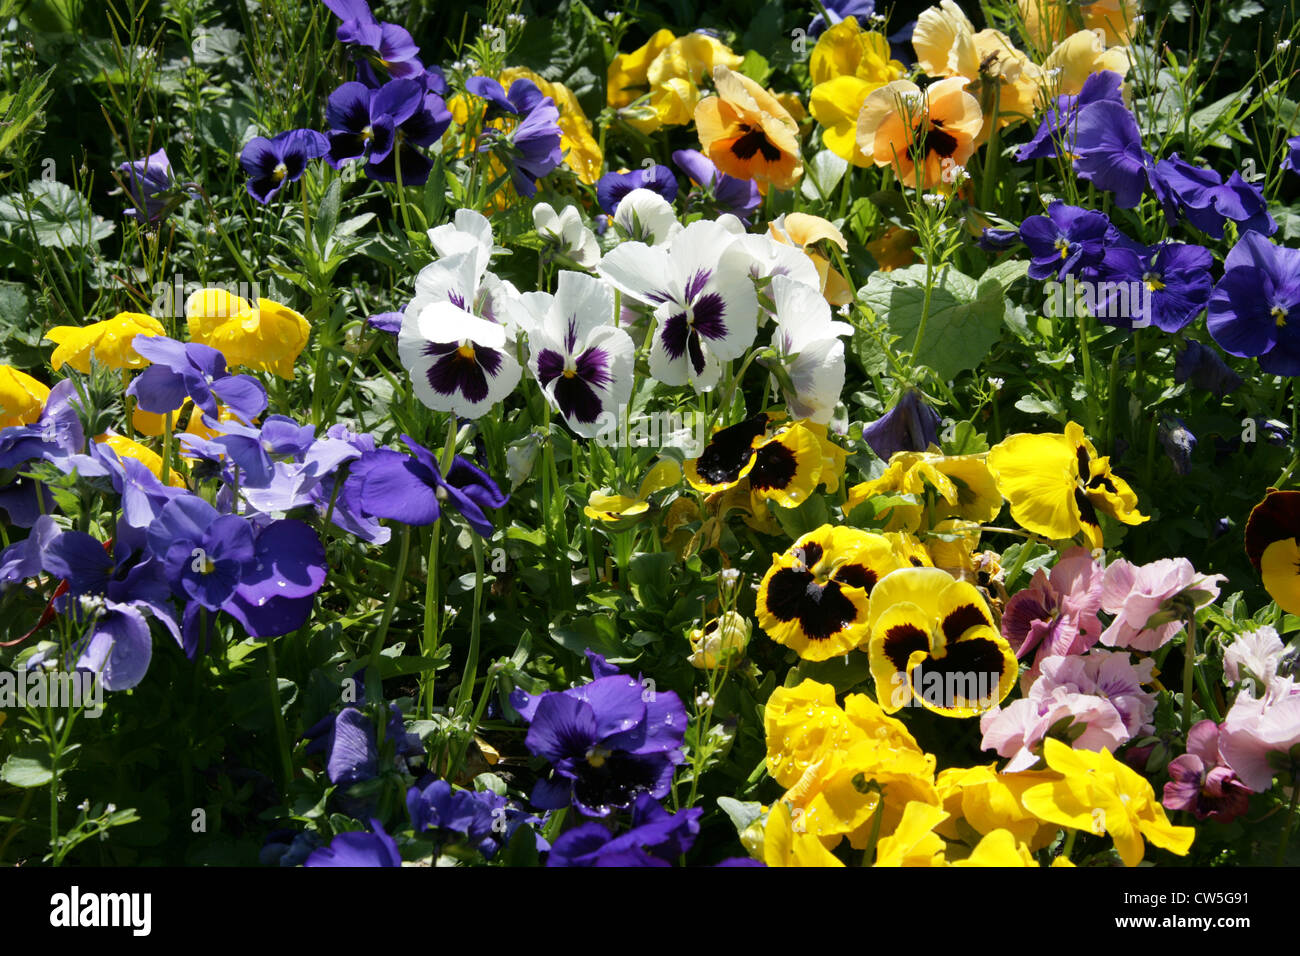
<point>1150,602</point>
<point>1017,730</point>
<point>1057,613</point>
<point>1254,654</point>
<point>1256,728</point>
<point>1201,782</point>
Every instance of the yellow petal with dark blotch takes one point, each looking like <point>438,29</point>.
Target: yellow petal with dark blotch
<point>787,467</point>
<point>1280,567</point>
<point>918,586</point>
<point>902,631</point>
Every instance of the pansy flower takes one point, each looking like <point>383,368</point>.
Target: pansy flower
<point>704,302</point>
<point>390,44</point>
<point>607,742</point>
<point>410,488</point>
<point>815,236</point>
<point>1047,21</point>
<point>1055,133</point>
<point>1254,311</point>
<point>267,336</point>
<point>582,151</point>
<point>656,838</point>
<point>747,133</point>
<point>272,163</point>
<point>1203,368</point>
<point>615,508</point>
<point>1057,485</point>
<point>21,397</point>
<point>107,342</point>
<point>932,641</point>
<point>942,487</point>
<point>358,849</point>
<point>453,341</point>
<point>1097,781</point>
<point>846,65</point>
<point>1108,153</point>
<point>1176,279</point>
<point>900,124</point>
<point>531,149</point>
<point>1201,780</point>
<point>1066,241</point>
<point>1273,546</point>
<point>1291,160</point>
<point>645,216</point>
<point>612,187</point>
<point>808,350</point>
<point>196,371</point>
<point>728,194</point>
<point>382,126</point>
<point>148,181</point>
<point>815,598</point>
<point>1202,197</point>
<point>911,425</point>
<point>566,235</point>
<point>582,361</point>
<point>784,467</point>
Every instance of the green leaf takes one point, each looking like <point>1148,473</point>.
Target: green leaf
<point>327,217</point>
<point>822,174</point>
<point>54,214</point>
<point>965,318</point>
<point>28,767</point>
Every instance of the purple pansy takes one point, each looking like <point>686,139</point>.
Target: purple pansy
<point>911,425</point>
<point>1055,134</point>
<point>358,848</point>
<point>656,838</point>
<point>612,187</point>
<point>607,742</point>
<point>271,163</point>
<point>390,44</point>
<point>728,194</point>
<point>1201,780</point>
<point>1204,369</point>
<point>408,488</point>
<point>833,11</point>
<point>1255,309</point>
<point>180,370</point>
<point>148,181</point>
<point>1206,201</point>
<point>1066,241</point>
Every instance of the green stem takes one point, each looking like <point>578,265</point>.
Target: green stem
<point>281,733</point>
<point>1189,667</point>
<point>377,643</point>
<point>1290,823</point>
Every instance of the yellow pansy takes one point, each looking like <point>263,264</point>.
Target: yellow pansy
<point>914,842</point>
<point>21,397</point>
<point>894,248</point>
<point>627,75</point>
<point>1048,21</point>
<point>613,508</point>
<point>1273,546</point>
<point>847,64</point>
<point>1076,58</point>
<point>946,486</point>
<point>1099,794</point>
<point>151,424</point>
<point>109,342</point>
<point>999,848</point>
<point>126,448</point>
<point>809,232</point>
<point>932,642</point>
<point>1057,485</point>
<point>870,778</point>
<point>268,337</point>
<point>786,842</point>
<point>953,543</point>
<point>814,598</point>
<point>581,150</point>
<point>988,801</point>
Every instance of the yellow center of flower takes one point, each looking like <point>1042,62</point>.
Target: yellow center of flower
<point>206,566</point>
<point>596,756</point>
<point>368,134</point>
<point>1279,316</point>
<point>466,351</point>
<point>1064,247</point>
<point>569,373</point>
<point>280,171</point>
<point>1153,281</point>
